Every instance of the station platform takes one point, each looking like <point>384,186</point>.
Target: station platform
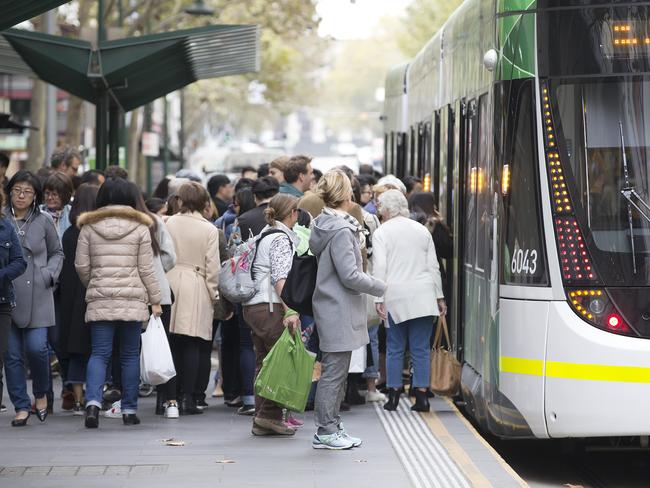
<point>401,449</point>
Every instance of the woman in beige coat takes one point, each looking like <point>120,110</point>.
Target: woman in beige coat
<point>194,282</point>
<point>114,261</point>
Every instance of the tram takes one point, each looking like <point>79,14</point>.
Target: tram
<point>527,120</point>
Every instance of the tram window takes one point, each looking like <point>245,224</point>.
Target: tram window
<point>435,170</point>
<point>483,187</point>
<point>523,252</point>
<point>471,183</point>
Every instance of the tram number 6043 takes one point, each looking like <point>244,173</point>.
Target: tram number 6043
<point>524,261</point>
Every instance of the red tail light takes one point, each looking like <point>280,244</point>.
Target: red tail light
<point>574,258</point>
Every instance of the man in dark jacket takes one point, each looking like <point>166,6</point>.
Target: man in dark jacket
<point>221,192</point>
<point>252,222</point>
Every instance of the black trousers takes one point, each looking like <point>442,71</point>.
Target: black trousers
<point>205,366</point>
<point>5,325</point>
<point>168,390</point>
<point>186,352</point>
<point>231,383</point>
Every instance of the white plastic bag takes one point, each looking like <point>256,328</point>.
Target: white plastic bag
<point>156,363</point>
<point>358,361</point>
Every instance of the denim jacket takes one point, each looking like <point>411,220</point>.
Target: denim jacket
<point>12,263</point>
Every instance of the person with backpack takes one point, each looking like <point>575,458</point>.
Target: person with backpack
<point>339,304</point>
<point>265,312</point>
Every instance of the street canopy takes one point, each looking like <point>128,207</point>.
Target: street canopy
<point>138,70</point>
<point>16,11</point>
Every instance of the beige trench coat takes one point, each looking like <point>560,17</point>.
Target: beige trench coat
<point>195,277</point>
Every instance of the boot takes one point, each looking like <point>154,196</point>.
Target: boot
<point>393,399</point>
<point>92,417</point>
<point>188,406</point>
<point>421,401</point>
<point>160,407</point>
<point>130,419</point>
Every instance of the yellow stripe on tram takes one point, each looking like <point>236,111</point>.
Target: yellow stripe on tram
<point>575,371</point>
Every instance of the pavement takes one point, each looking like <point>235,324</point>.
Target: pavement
<point>219,450</point>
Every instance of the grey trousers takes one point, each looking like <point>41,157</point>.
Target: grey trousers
<point>331,390</point>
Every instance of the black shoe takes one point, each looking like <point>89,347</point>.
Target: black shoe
<point>382,388</point>
<point>43,412</point>
<point>130,419</point>
<point>160,407</point>
<point>201,404</point>
<point>309,407</point>
<point>21,422</point>
<point>421,401</point>
<point>111,395</point>
<point>234,402</point>
<point>92,417</point>
<point>393,399</point>
<point>188,406</point>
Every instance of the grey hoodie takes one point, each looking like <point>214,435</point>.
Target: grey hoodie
<point>339,298</point>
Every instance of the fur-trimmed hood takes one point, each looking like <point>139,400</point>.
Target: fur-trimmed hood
<point>114,221</point>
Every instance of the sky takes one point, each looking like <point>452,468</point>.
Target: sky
<point>355,19</point>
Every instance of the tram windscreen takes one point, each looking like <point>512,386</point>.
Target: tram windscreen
<point>605,131</point>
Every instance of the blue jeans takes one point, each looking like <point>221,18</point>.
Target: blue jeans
<point>417,332</point>
<point>373,371</point>
<point>33,344</point>
<point>102,348</point>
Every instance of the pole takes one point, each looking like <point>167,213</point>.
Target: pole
<point>147,128</point>
<point>50,99</point>
<point>165,154</point>
<point>181,131</point>
<point>114,127</point>
<point>101,26</point>
<point>101,128</point>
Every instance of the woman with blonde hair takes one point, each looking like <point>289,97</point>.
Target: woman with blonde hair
<point>265,313</point>
<point>339,304</point>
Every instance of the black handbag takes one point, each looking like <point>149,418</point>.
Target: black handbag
<point>299,287</point>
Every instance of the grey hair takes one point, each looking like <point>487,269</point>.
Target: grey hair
<point>394,204</point>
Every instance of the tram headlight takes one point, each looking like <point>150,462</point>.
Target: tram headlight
<point>597,306</point>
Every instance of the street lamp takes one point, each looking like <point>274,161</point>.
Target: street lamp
<point>199,8</point>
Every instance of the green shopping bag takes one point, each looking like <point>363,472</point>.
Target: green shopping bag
<point>286,373</point>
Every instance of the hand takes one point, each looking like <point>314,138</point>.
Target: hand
<point>292,323</point>
<point>156,310</point>
<point>442,306</point>
<point>381,310</point>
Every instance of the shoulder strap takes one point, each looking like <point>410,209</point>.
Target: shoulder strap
<point>257,243</point>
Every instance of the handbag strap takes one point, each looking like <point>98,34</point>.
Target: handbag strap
<point>440,330</point>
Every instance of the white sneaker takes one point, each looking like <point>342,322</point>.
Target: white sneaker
<point>171,411</point>
<point>115,412</point>
<point>334,442</point>
<point>375,396</point>
<point>356,442</point>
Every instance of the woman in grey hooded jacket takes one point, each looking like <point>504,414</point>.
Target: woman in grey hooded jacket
<point>339,304</point>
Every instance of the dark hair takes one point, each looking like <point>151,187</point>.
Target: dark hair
<point>296,166</point>
<point>76,182</point>
<point>366,169</point>
<point>245,199</point>
<point>153,229</point>
<point>347,170</point>
<point>193,197</point>
<point>4,160</point>
<point>243,183</point>
<point>365,179</point>
<point>304,218</point>
<point>44,173</point>
<point>356,190</point>
<point>92,176</point>
<point>63,156</point>
<point>162,190</point>
<point>318,174</point>
<point>115,171</point>
<point>61,184</point>
<point>215,183</point>
<point>246,169</point>
<point>154,204</point>
<point>280,207</point>
<point>24,176</point>
<point>265,187</point>
<point>173,204</point>
<point>85,200</point>
<point>263,170</point>
<point>410,182</point>
<point>118,191</point>
<point>423,202</point>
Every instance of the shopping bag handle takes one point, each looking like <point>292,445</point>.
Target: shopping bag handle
<point>442,328</point>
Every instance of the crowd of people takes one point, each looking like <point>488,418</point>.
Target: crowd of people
<point>87,259</point>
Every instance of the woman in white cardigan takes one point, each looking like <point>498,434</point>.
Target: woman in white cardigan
<point>404,257</point>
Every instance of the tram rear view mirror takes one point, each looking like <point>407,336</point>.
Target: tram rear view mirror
<point>491,59</point>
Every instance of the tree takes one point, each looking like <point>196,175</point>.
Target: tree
<point>423,19</point>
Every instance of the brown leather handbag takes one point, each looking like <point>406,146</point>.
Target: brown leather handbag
<point>445,368</point>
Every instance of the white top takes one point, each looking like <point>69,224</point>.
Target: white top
<point>404,257</point>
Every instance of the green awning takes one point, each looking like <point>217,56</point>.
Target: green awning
<point>16,11</point>
<point>141,69</point>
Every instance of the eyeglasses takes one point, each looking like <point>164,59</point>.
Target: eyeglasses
<point>22,191</point>
<point>50,194</point>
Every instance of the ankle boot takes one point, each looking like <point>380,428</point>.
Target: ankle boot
<point>160,408</point>
<point>393,399</point>
<point>188,406</point>
<point>130,419</point>
<point>92,417</point>
<point>421,401</point>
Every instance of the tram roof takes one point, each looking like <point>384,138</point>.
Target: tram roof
<point>136,70</point>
